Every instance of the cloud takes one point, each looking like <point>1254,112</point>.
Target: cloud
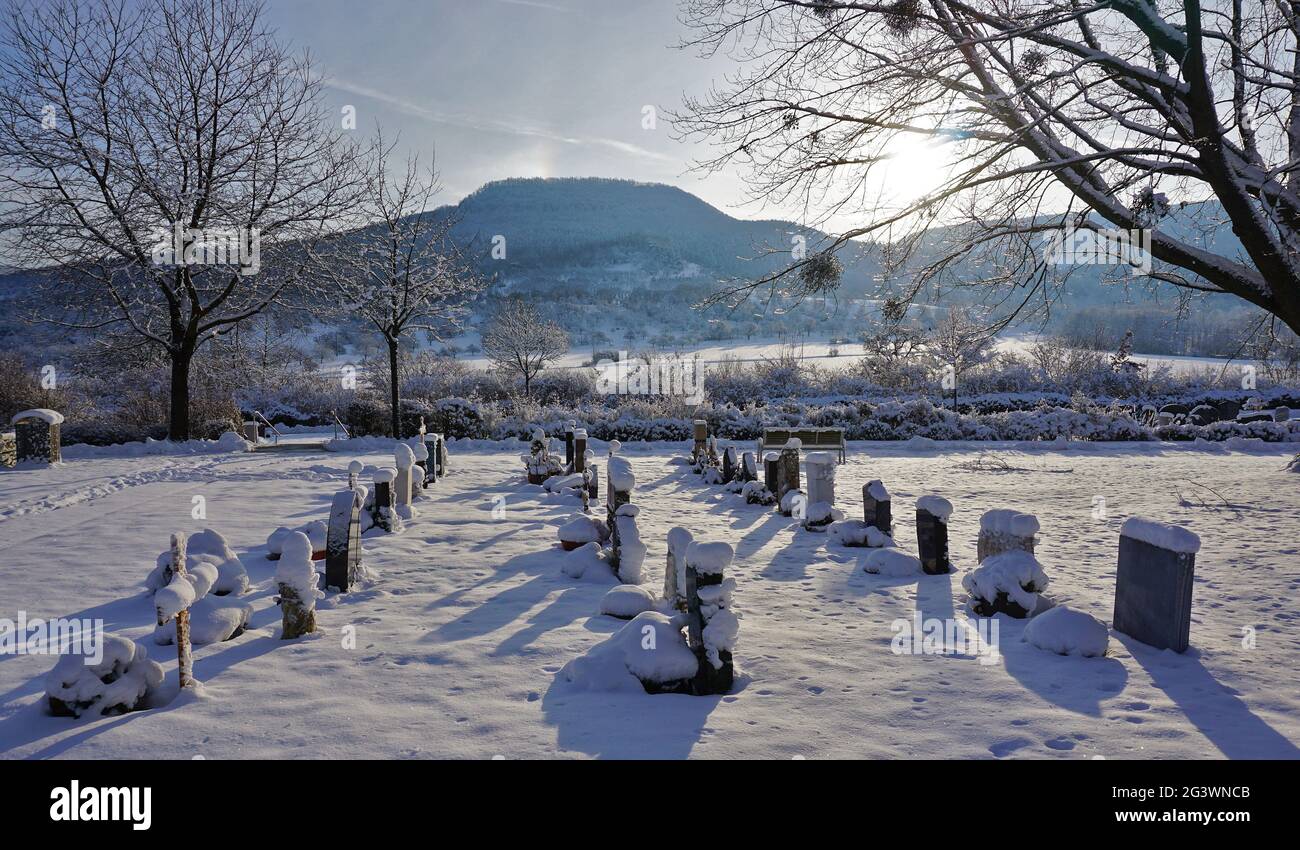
<point>474,122</point>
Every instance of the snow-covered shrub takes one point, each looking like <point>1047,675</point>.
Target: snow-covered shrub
<point>1066,631</point>
<point>205,547</point>
<point>588,563</point>
<point>213,578</point>
<point>1010,582</point>
<point>891,561</point>
<point>121,681</point>
<point>756,493</point>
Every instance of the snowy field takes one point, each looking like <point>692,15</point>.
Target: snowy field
<point>460,640</point>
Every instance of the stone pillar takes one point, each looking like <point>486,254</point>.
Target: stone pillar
<point>675,594</point>
<point>383,507</point>
<point>252,432</point>
<point>771,471</point>
<point>821,477</point>
<point>431,465</point>
<point>578,449</point>
<point>932,534</point>
<point>354,473</point>
<point>1003,530</point>
<point>1153,584</point>
<point>36,436</point>
<point>708,678</point>
<point>403,485</point>
<point>729,465</point>
<point>876,507</point>
<point>593,479</point>
<point>748,469</point>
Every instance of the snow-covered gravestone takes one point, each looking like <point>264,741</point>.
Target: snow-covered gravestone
<point>1153,585</point>
<point>296,577</point>
<point>569,455</point>
<point>748,468</point>
<point>1003,530</point>
<point>252,432</point>
<point>675,570</point>
<point>700,428</point>
<point>621,519</point>
<point>787,471</point>
<point>36,436</point>
<point>343,543</point>
<point>441,455</point>
<point>711,627</point>
<point>354,473</point>
<point>729,465</point>
<point>932,513</point>
<point>420,473</point>
<point>431,465</point>
<point>579,460</point>
<point>877,509</point>
<point>385,516</point>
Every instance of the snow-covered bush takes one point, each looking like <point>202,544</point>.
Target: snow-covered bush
<point>121,681</point>
<point>1066,631</point>
<point>205,547</point>
<point>580,530</point>
<point>626,601</point>
<point>214,577</point>
<point>891,561</point>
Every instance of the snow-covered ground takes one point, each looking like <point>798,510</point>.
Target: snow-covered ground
<point>459,642</point>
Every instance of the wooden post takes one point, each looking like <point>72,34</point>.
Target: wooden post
<point>184,652</point>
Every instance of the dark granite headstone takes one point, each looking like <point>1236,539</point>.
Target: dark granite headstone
<point>771,473</point>
<point>877,512</point>
<point>748,468</point>
<point>932,543</point>
<point>343,541</point>
<point>729,465</point>
<point>1153,594</point>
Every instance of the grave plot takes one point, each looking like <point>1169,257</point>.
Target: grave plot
<point>459,650</point>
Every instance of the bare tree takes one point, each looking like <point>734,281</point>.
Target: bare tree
<point>520,342</point>
<point>958,342</point>
<point>1054,114</point>
<point>402,273</point>
<point>173,158</point>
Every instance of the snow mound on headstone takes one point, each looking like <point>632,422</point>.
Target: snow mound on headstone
<point>587,563</point>
<point>939,507</point>
<point>626,601</point>
<point>711,558</point>
<point>649,649</point>
<point>855,532</point>
<point>582,529</point>
<point>560,483</point>
<point>1066,631</point>
<point>1008,521</point>
<point>297,571</point>
<point>1172,537</point>
<point>720,635</point>
<point>620,475</point>
<point>1015,572</point>
<point>120,682</point>
<point>791,500</point>
<point>891,561</point>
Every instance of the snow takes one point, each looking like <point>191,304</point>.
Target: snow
<point>620,474</point>
<point>419,449</point>
<point>1007,521</point>
<point>821,459</point>
<point>475,618</point>
<point>582,529</point>
<point>1012,572</point>
<point>631,549</point>
<point>174,598</point>
<point>316,531</point>
<point>720,636</point>
<point>386,475</point>
<point>587,563</point>
<point>791,501</point>
<point>1066,631</point>
<point>50,417</point>
<point>891,561</point>
<point>626,601</point>
<point>710,558</point>
<point>939,507</point>
<point>1163,535</point>
<point>855,532</point>
<point>121,680</point>
<point>877,491</point>
<point>650,648</point>
<point>403,457</point>
<point>356,467</point>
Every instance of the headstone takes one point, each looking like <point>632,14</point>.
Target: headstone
<point>36,436</point>
<point>403,485</point>
<point>932,536</point>
<point>876,507</point>
<point>678,539</point>
<point>568,448</point>
<point>383,507</point>
<point>252,432</point>
<point>1153,584</point>
<point>708,679</point>
<point>431,465</point>
<point>441,455</point>
<point>748,468</point>
<point>343,541</point>
<point>592,473</point>
<point>729,465</point>
<point>821,477</point>
<point>700,428</point>
<point>1003,530</point>
<point>578,462</point>
<point>771,471</point>
<point>787,478</point>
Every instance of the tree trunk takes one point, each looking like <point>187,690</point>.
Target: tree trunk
<point>528,384</point>
<point>178,425</point>
<point>394,390</point>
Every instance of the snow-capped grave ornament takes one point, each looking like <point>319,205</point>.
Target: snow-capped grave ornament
<point>420,473</point>
<point>343,541</point>
<point>1153,584</point>
<point>296,578</point>
<point>1002,530</point>
<point>121,681</point>
<point>36,436</point>
<point>679,539</point>
<point>354,473</point>
<point>700,429</point>
<point>1066,631</point>
<point>1007,583</point>
<point>877,508</point>
<point>932,514</point>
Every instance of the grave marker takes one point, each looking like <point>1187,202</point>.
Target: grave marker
<point>877,509</point>
<point>343,541</point>
<point>932,515</point>
<point>1153,584</point>
<point>36,436</point>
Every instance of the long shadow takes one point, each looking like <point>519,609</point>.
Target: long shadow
<point>626,725</point>
<point>1220,715</point>
<point>762,535</point>
<point>1071,682</point>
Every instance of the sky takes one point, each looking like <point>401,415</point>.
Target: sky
<point>519,88</point>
